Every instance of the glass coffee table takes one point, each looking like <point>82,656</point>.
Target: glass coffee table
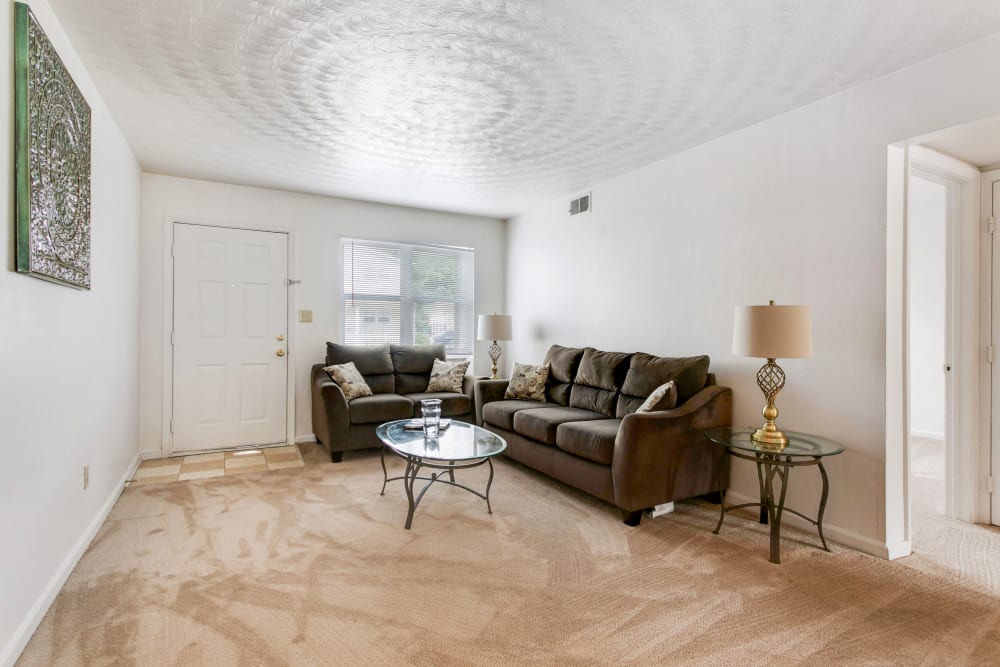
<point>457,447</point>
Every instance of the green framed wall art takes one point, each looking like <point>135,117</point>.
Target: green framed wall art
<point>51,161</point>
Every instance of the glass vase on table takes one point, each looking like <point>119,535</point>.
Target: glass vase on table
<point>430,408</point>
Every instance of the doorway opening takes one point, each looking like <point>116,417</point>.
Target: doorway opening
<point>941,329</point>
<point>930,201</point>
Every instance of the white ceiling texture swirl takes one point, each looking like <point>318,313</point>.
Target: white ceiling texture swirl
<point>478,106</point>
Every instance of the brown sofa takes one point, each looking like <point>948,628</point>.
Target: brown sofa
<point>588,435</point>
<point>397,376</point>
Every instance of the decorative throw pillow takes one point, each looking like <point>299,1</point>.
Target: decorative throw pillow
<point>351,382</point>
<point>447,376</point>
<point>527,382</point>
<point>663,397</point>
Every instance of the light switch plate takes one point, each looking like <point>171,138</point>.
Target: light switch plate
<point>305,316</point>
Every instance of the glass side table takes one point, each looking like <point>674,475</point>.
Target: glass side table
<point>802,450</point>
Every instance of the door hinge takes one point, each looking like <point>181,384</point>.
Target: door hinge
<point>991,226</point>
<point>172,247</point>
<point>989,484</point>
<point>171,425</point>
<point>171,337</point>
<point>291,281</point>
<point>989,354</point>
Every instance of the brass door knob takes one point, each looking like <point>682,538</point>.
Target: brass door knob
<point>280,353</point>
<point>279,338</point>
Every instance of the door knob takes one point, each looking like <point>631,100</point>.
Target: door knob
<point>280,353</point>
<point>279,338</point>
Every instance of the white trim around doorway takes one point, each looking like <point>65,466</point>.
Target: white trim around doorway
<point>167,408</point>
<point>968,422</point>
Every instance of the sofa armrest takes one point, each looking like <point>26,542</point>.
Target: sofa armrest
<point>469,389</point>
<point>330,413</point>
<point>664,456</point>
<point>487,391</point>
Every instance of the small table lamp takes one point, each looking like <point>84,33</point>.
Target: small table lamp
<point>772,332</point>
<point>494,327</point>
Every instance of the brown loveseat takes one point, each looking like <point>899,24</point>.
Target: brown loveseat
<point>397,376</point>
<point>588,435</point>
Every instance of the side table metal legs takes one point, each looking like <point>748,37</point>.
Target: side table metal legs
<point>769,467</point>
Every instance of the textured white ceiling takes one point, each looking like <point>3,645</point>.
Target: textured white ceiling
<point>476,105</point>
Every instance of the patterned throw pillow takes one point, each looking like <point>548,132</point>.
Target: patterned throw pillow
<point>350,380</point>
<point>527,382</point>
<point>447,376</point>
<point>663,397</point>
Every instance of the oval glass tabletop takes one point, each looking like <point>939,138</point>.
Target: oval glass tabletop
<point>799,444</point>
<point>458,442</point>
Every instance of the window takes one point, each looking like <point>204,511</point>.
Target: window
<point>409,294</point>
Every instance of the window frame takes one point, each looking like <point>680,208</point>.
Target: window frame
<point>407,304</point>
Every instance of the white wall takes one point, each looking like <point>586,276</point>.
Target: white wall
<point>926,257</point>
<point>317,224</point>
<point>68,370</point>
<point>791,209</point>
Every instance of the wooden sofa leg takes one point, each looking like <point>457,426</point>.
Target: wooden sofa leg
<point>336,457</point>
<point>632,518</point>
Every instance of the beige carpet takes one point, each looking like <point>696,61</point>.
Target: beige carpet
<point>311,566</point>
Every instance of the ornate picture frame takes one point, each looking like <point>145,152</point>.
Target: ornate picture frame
<point>52,135</point>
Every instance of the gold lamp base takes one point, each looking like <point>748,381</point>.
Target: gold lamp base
<point>494,352</point>
<point>770,379</point>
<point>774,438</point>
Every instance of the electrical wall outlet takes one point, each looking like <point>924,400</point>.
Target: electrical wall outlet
<point>86,476</point>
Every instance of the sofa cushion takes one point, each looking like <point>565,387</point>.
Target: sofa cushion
<point>447,376</point>
<point>527,382</point>
<point>350,380</point>
<point>563,364</point>
<point>413,365</point>
<point>372,361</point>
<point>501,413</point>
<point>541,425</point>
<point>647,372</point>
<point>592,440</point>
<point>451,404</point>
<point>598,381</point>
<point>380,408</point>
<point>663,397</point>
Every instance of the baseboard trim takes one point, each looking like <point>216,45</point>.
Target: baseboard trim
<point>833,532</point>
<point>899,550</point>
<point>305,439</point>
<point>16,645</point>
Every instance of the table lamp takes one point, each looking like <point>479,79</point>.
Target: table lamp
<point>772,332</point>
<point>494,327</point>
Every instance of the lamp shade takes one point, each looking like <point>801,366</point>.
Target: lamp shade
<point>494,327</point>
<point>772,332</point>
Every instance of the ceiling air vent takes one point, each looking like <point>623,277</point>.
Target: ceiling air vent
<point>580,205</point>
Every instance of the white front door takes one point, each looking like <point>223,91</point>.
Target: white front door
<point>229,338</point>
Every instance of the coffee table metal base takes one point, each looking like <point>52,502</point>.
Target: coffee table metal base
<point>410,476</point>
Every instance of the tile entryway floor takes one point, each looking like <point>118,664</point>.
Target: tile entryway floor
<point>217,464</point>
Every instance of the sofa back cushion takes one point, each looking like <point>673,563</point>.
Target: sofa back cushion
<point>647,372</point>
<point>599,380</point>
<point>413,365</point>
<point>372,361</point>
<point>563,364</point>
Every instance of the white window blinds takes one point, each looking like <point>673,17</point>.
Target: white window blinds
<point>409,294</point>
